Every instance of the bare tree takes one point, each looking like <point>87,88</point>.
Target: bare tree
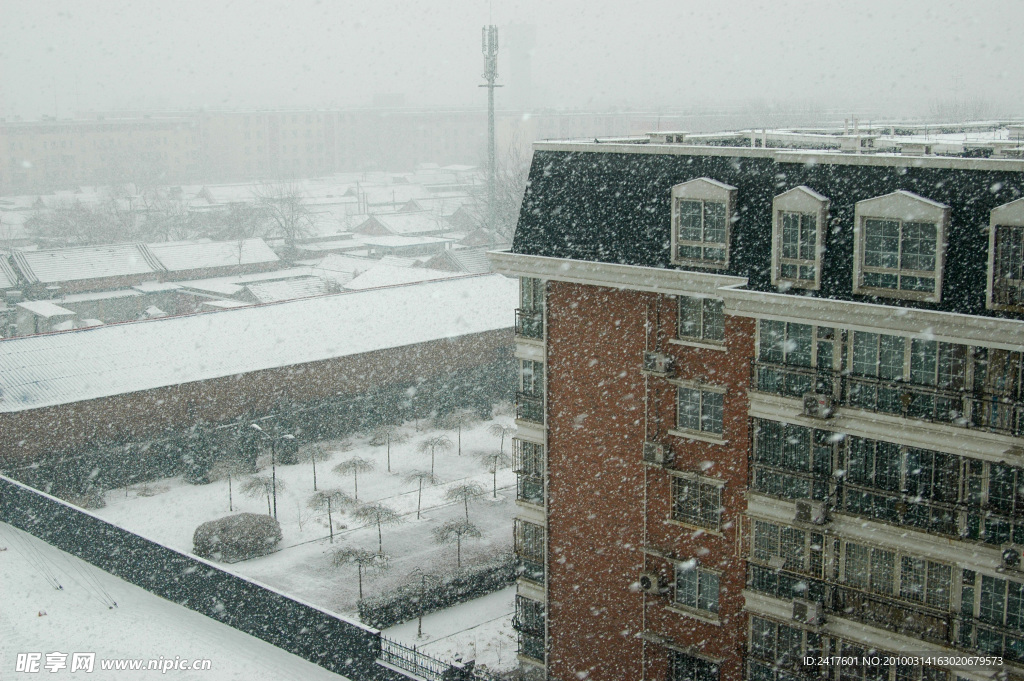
<point>463,493</point>
<point>379,514</point>
<point>260,485</point>
<point>355,466</point>
<point>362,559</point>
<point>432,444</point>
<point>330,499</point>
<point>456,531</point>
<point>287,215</point>
<point>502,431</point>
<point>457,420</point>
<point>227,468</point>
<point>494,460</point>
<point>419,477</point>
<point>511,179</point>
<point>312,455</point>
<point>387,434</point>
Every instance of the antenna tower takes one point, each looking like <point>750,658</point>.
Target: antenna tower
<point>490,51</point>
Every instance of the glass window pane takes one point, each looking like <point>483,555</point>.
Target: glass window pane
<point>890,356</point>
<point>708,591</point>
<point>881,243</point>
<point>714,319</point>
<point>798,344</point>
<point>857,565</point>
<point>993,594</point>
<point>808,236</point>
<point>917,246</point>
<point>689,414</point>
<point>883,570</point>
<point>865,353</point>
<point>923,361</point>
<point>791,235</point>
<point>689,220</point>
<point>711,412</point>
<point>714,222</point>
<point>689,317</point>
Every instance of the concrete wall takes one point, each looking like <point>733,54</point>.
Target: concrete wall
<point>336,644</point>
<point>35,433</point>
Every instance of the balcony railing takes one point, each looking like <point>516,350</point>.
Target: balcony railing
<point>531,646</point>
<point>887,612</point>
<point>530,323</point>
<point>531,570</point>
<point>792,381</point>
<point>530,489</point>
<point>534,626</point>
<point>992,640</point>
<point>928,403</point>
<point>530,407</point>
<point>906,399</point>
<point>905,618</point>
<point>998,414</point>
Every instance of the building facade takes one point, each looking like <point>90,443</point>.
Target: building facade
<point>770,407</point>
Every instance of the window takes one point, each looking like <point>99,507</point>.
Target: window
<point>529,469</point>
<point>870,568</point>
<point>529,622</point>
<point>683,667</point>
<point>781,644</point>
<point>696,588</point>
<point>1006,257</point>
<point>531,377</point>
<point>701,319</point>
<point>529,548</point>
<point>697,501</point>
<point>701,215</point>
<point>899,247</point>
<point>800,551</point>
<point>792,462</point>
<point>530,315</point>
<point>924,581</point>
<point>699,410</point>
<point>798,221</point>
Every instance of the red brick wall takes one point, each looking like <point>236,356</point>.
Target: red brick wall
<point>596,337</point>
<point>31,434</point>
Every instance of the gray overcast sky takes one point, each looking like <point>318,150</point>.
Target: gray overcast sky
<point>888,55</point>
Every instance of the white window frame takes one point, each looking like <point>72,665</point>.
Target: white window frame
<point>704,435</point>
<point>700,336</point>
<point>698,569</point>
<point>905,207</point>
<point>1008,215</point>
<point>804,201</point>
<point>705,190</point>
<point>717,483</point>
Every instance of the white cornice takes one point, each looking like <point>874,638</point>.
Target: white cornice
<point>615,276</point>
<point>1007,334</point>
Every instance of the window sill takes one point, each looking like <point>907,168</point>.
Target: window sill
<point>898,294</point>
<point>696,528</point>
<point>702,615</point>
<point>699,437</point>
<point>707,345</point>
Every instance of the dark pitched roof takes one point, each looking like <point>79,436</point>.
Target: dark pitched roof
<point>615,208</point>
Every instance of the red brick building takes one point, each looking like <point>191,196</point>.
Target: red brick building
<point>771,406</point>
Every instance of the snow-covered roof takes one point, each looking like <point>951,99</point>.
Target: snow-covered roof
<point>389,275</point>
<point>44,308</point>
<point>46,370</point>
<point>85,262</point>
<point>403,224</point>
<point>289,289</point>
<point>399,241</point>
<point>177,256</point>
<point>8,279</point>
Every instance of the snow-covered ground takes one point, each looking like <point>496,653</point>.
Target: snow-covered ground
<point>479,630</point>
<point>168,511</point>
<point>36,617</point>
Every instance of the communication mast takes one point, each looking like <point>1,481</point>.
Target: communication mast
<point>490,51</point>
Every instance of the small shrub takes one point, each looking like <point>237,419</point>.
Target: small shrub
<point>236,537</point>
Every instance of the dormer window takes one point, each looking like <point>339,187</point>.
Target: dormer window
<point>701,216</point>
<point>1006,257</point>
<point>798,227</point>
<point>900,247</point>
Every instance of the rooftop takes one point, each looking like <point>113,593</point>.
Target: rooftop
<point>52,369</point>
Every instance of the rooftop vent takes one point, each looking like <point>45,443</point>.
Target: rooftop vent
<point>659,137</point>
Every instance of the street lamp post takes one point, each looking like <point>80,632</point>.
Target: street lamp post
<point>273,459</point>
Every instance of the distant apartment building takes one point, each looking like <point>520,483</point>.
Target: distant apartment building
<point>174,147</point>
<point>771,405</point>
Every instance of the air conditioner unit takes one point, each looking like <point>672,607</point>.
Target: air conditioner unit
<point>1011,558</point>
<point>808,612</point>
<point>811,511</point>
<point>819,406</point>
<point>658,454</point>
<point>651,583</point>
<point>657,363</point>
<point>776,562</point>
